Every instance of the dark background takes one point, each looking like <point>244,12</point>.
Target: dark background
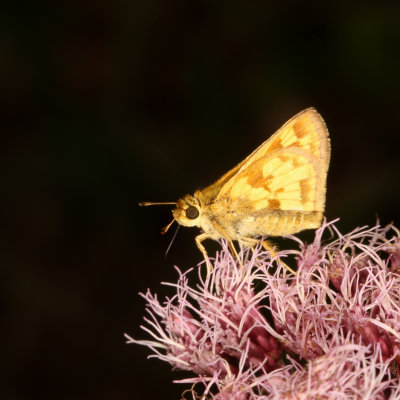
<point>106,103</point>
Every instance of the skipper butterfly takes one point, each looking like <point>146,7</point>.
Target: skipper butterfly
<point>278,190</point>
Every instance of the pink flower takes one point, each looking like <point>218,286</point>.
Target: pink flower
<point>258,332</point>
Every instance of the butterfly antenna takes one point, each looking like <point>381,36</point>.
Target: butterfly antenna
<point>149,203</point>
<point>172,241</point>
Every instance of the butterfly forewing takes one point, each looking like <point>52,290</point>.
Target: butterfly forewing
<point>290,167</point>
<point>285,180</point>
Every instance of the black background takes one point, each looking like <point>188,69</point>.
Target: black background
<point>106,103</point>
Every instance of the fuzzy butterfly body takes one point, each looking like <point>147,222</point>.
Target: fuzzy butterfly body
<point>277,190</point>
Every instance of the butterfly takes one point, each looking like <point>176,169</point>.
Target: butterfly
<point>278,190</point>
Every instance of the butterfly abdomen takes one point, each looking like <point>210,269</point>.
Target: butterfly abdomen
<point>275,223</point>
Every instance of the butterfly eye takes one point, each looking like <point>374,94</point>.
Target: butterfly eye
<point>192,212</point>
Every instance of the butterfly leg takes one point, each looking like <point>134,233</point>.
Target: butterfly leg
<point>235,253</point>
<point>199,239</point>
<point>271,249</point>
<point>251,242</point>
<point>232,248</point>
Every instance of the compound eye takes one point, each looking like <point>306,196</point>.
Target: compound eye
<point>192,212</point>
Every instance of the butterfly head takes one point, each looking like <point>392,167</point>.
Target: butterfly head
<point>187,211</point>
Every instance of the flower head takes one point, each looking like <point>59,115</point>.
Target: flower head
<point>257,332</point>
